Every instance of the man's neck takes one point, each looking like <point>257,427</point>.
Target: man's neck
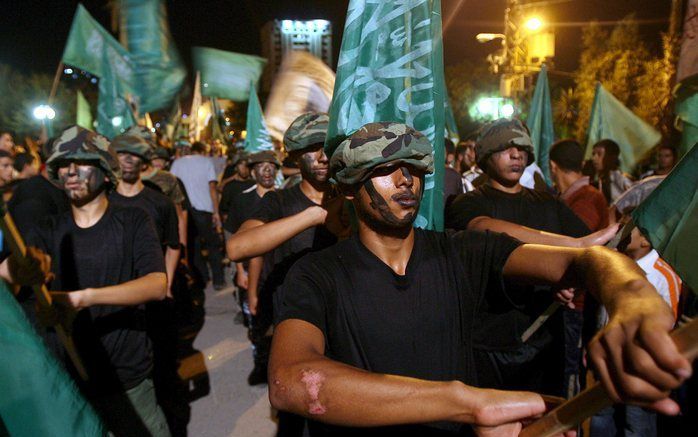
<point>567,179</point>
<point>261,191</point>
<point>89,214</point>
<point>313,191</point>
<point>513,189</point>
<point>130,189</point>
<point>394,250</point>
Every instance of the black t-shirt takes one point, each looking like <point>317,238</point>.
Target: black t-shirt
<point>240,210</point>
<point>231,190</point>
<point>418,325</point>
<point>276,205</point>
<point>160,209</point>
<point>34,199</point>
<point>120,247</point>
<point>501,325</point>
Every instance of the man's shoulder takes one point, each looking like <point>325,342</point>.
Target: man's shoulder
<point>155,196</point>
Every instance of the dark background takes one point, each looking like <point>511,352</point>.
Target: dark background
<point>33,32</point>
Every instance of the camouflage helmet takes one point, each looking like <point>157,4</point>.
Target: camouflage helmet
<point>500,135</point>
<point>306,130</point>
<point>134,145</point>
<point>79,144</point>
<point>239,155</point>
<point>182,143</point>
<point>145,133</point>
<point>263,156</point>
<point>375,144</point>
<point>161,153</point>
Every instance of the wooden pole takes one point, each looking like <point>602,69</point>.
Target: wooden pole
<point>17,247</point>
<point>56,79</point>
<point>593,399</point>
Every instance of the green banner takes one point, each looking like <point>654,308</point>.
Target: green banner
<point>540,123</point>
<point>391,69</point>
<point>91,48</point>
<point>160,72</point>
<point>451,126</point>
<point>610,119</point>
<point>227,75</point>
<point>83,112</point>
<point>38,397</point>
<point>258,137</point>
<point>669,218</point>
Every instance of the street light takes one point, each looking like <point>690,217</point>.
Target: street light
<point>534,24</point>
<point>44,112</point>
<point>487,37</point>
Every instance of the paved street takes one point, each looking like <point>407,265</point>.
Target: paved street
<point>221,402</point>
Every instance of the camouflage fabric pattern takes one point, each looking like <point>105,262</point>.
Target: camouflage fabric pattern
<point>79,144</point>
<point>144,133</point>
<point>376,144</point>
<point>306,130</point>
<point>500,135</point>
<point>134,145</point>
<point>161,153</point>
<point>264,156</point>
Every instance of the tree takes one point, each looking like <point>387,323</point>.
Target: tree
<point>466,82</point>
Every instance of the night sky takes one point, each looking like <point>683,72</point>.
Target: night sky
<point>33,32</point>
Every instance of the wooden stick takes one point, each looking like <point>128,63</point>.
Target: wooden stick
<point>14,239</point>
<point>535,326</point>
<point>593,399</point>
<point>56,79</point>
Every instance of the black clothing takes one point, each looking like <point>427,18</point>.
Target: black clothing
<point>240,209</point>
<point>418,325</point>
<point>501,325</point>
<point>453,186</point>
<point>34,199</point>
<point>120,247</point>
<point>231,191</point>
<point>160,209</point>
<point>208,240</point>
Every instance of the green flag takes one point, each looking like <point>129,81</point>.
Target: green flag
<point>610,119</point>
<point>540,123</point>
<point>38,397</point>
<point>217,132</point>
<point>91,48</point>
<point>391,69</point>
<point>83,112</point>
<point>159,69</point>
<point>258,137</point>
<point>226,75</point>
<point>669,218</point>
<point>451,126</point>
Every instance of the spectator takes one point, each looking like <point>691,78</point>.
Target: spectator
<point>605,158</point>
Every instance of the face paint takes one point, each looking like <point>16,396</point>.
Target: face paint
<point>82,183</point>
<point>314,165</point>
<point>313,382</point>
<point>405,198</point>
<point>130,167</point>
<point>265,174</point>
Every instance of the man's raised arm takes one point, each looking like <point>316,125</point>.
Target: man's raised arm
<point>634,356</point>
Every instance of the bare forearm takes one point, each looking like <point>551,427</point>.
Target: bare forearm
<point>254,272</point>
<point>152,286</point>
<point>336,393</point>
<point>182,224</point>
<point>214,196</point>
<point>523,233</point>
<point>256,241</point>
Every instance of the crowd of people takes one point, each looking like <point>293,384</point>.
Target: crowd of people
<point>360,323</point>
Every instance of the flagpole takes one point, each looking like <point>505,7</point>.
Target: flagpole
<point>54,86</point>
<point>18,249</point>
<point>593,399</point>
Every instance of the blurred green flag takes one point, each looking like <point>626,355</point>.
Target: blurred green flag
<point>687,112</point>
<point>669,218</point>
<point>38,397</point>
<point>160,72</point>
<point>391,69</point>
<point>610,119</point>
<point>451,126</point>
<point>83,112</point>
<point>91,48</point>
<point>540,123</point>
<point>227,75</point>
<point>258,137</point>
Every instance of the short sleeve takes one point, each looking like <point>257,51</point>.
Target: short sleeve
<point>211,171</point>
<point>147,253</point>
<point>268,209</point>
<point>175,192</point>
<point>572,225</point>
<point>484,255</point>
<point>301,295</point>
<point>465,208</point>
<point>171,228</point>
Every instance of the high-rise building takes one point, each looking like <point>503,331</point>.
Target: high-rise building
<point>280,37</point>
